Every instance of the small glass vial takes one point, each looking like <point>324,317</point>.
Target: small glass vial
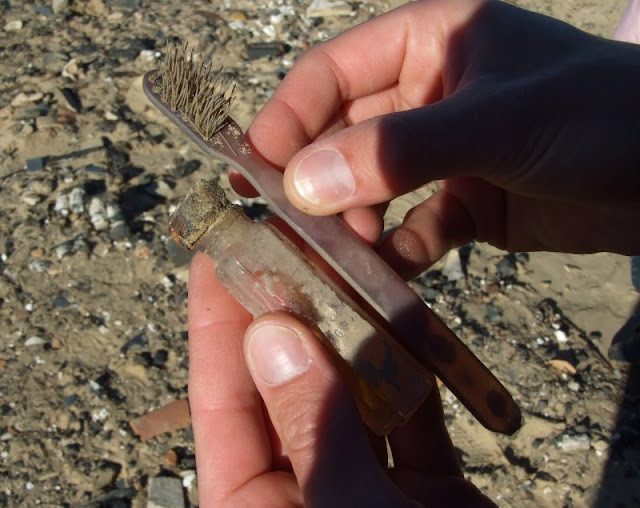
<point>265,272</point>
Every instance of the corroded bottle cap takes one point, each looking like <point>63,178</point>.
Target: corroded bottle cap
<point>200,209</point>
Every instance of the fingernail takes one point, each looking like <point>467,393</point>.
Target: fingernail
<point>276,354</point>
<point>323,178</point>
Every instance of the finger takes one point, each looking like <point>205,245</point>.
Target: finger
<point>423,444</point>
<point>464,209</point>
<point>387,156</point>
<point>396,58</point>
<point>367,222</point>
<point>241,185</point>
<point>232,444</point>
<point>314,415</point>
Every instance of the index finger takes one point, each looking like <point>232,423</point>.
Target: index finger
<point>363,64</point>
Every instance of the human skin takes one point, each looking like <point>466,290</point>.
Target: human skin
<point>629,27</point>
<point>530,125</point>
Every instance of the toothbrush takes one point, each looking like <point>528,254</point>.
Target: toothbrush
<point>199,101</point>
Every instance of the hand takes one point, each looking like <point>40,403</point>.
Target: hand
<point>280,429</point>
<point>532,125</point>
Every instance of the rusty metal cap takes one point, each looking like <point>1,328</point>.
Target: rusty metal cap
<point>203,205</point>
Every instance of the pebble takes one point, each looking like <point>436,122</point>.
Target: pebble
<point>159,188</point>
<point>39,265</point>
<point>58,6</point>
<point>577,442</point>
<point>23,98</point>
<point>97,214</point>
<point>268,49</point>
<point>62,205</point>
<point>165,492</point>
<point>34,341</point>
<point>453,266</point>
<point>31,198</point>
<point>600,445</point>
<point>14,26</point>
<point>491,314</point>
<point>561,337</point>
<point>71,70</point>
<point>148,55</point>
<point>237,16</point>
<point>507,268</point>
<point>72,98</point>
<point>574,386</point>
<point>54,62</point>
<point>35,164</point>
<point>328,8</point>
<point>76,200</point>
<point>171,458</point>
<point>94,8</point>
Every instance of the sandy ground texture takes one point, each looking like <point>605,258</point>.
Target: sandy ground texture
<point>93,293</point>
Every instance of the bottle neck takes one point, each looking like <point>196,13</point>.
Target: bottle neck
<point>228,230</point>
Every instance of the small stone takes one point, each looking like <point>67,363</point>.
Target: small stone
<point>90,7</point>
<point>159,188</point>
<point>492,314</point>
<point>34,341</point>
<point>574,386</point>
<point>114,212</point>
<point>190,482</point>
<point>185,168</point>
<point>453,266</point>
<point>268,49</point>
<point>43,10</point>
<point>76,200</point>
<point>22,98</point>
<point>600,445</point>
<point>106,474</point>
<point>31,198</point>
<point>170,458</point>
<point>269,31</point>
<point>58,6</point>
<point>35,164</point>
<point>54,62</point>
<point>561,337</point>
<point>160,357</point>
<point>237,16</point>
<point>165,492</point>
<point>64,249</point>
<point>147,55</point>
<point>73,99</point>
<point>60,302</point>
<point>507,267</point>
<point>71,70</point>
<point>328,8</point>
<point>577,442</point>
<point>97,214</point>
<point>14,26</point>
<point>110,116</point>
<point>39,265</point>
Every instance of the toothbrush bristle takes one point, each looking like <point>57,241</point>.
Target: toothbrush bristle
<point>202,96</point>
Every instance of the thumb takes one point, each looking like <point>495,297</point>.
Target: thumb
<point>386,156</point>
<point>313,415</point>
